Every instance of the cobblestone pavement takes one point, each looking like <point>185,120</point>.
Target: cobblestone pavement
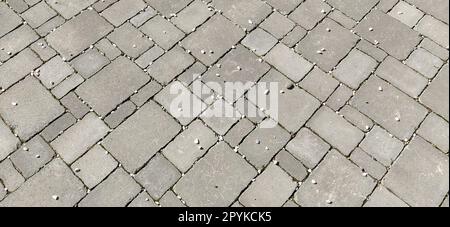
<point>364,117</point>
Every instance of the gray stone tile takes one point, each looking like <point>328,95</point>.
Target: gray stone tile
<point>54,181</point>
<point>424,62</point>
<point>247,14</point>
<point>18,67</point>
<point>435,130</point>
<point>382,197</point>
<point>168,7</point>
<point>69,8</point>
<point>277,25</point>
<point>164,33</point>
<point>368,164</point>
<point>89,63</point>
<point>170,65</point>
<point>38,14</point>
<point>308,148</point>
<point>10,20</point>
<point>170,200</point>
<point>436,95</point>
<point>117,116</point>
<point>406,13</point>
<point>53,72</point>
<point>310,13</point>
<point>58,126</point>
<point>9,176</point>
<point>15,41</point>
<point>271,189</point>
<point>436,8</point>
<point>136,140</point>
<point>320,84</point>
<point>216,180</point>
<point>426,183</point>
<point>335,182</point>
<point>122,10</point>
<point>192,16</point>
<point>9,141</point>
<point>238,132</point>
<point>130,40</point>
<point>355,68</point>
<point>355,9</point>
<point>291,165</point>
<point>259,41</point>
<point>28,114</point>
<point>74,105</point>
<point>142,200</point>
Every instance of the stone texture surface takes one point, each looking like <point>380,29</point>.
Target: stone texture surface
<point>100,103</point>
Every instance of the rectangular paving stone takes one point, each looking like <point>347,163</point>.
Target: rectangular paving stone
<point>50,25</point>
<point>406,13</point>
<point>145,93</point>
<point>79,138</point>
<point>168,7</point>
<point>310,13</point>
<point>38,14</point>
<point>259,41</point>
<point>434,48</point>
<point>238,132</point>
<point>143,16</point>
<point>356,9</point>
<point>29,114</point>
<point>216,180</point>
<point>183,151</point>
<point>402,77</point>
<point>355,68</point>
<point>122,11</point>
<point>74,105</point>
<point>147,58</point>
<point>389,34</point>
<point>308,148</point>
<point>15,41</point>
<point>170,200</point>
<point>136,140</point>
<point>18,67</point>
<point>436,96</point>
<point>288,62</point>
<point>43,50</point>
<point>116,191</point>
<point>424,62</point>
<point>344,136</point>
<point>164,33</point>
<point>437,8</point>
<point>327,44</point>
<point>320,84</point>
<point>116,117</point>
<point>67,85</point>
<point>388,106</point>
<point>32,156</point>
<point>170,65</point>
<point>335,182</point>
<point>94,166</point>
<point>371,50</point>
<point>284,6</point>
<point>112,85</point>
<point>342,19</point>
<point>271,189</point>
<point>427,181</point>
<point>220,125</point>
<point>291,165</point>
<point>368,164</point>
<point>58,126</point>
<point>79,33</point>
<point>10,20</point>
<point>209,38</point>
<point>89,63</point>
<point>142,200</point>
<point>293,37</point>
<point>69,8</point>
<point>192,16</point>
<point>356,118</point>
<point>435,130</point>
<point>55,179</point>
<point>277,25</point>
<point>340,97</point>
<point>107,48</point>
<point>130,40</point>
<point>158,176</point>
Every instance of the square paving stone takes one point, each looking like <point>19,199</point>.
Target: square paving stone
<point>383,147</point>
<point>320,84</point>
<point>337,182</point>
<point>382,197</point>
<point>55,179</point>
<point>27,107</point>
<point>170,65</point>
<point>356,9</point>
<point>424,62</point>
<point>277,25</point>
<point>436,96</point>
<point>216,180</point>
<point>259,41</point>
<point>289,100</point>
<point>89,63</point>
<point>168,7</point>
<point>80,137</point>
<point>327,44</point>
<point>192,16</point>
<point>9,19</point>
<point>112,85</point>
<point>435,130</point>
<point>136,140</point>
<point>271,189</point>
<point>401,76</point>
<point>122,11</point>
<point>262,144</point>
<point>38,14</point>
<point>158,176</point>
<point>209,38</point>
<point>247,14</point>
<point>116,191</point>
<point>389,34</point>
<point>164,33</point>
<point>427,181</point>
<point>94,166</point>
<point>9,141</point>
<point>18,67</point>
<point>310,13</point>
<point>75,36</point>
<point>288,62</point>
<point>406,13</point>
<point>69,8</point>
<point>32,156</point>
<point>53,72</point>
<point>393,110</point>
<point>308,148</point>
<point>355,68</point>
<point>344,136</point>
<point>130,40</point>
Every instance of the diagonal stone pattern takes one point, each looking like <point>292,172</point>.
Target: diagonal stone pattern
<point>84,99</point>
